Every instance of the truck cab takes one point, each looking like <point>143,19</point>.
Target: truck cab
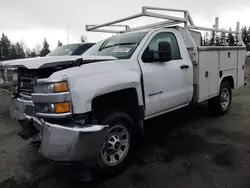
<point>93,107</point>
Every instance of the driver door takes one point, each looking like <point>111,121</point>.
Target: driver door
<point>166,84</point>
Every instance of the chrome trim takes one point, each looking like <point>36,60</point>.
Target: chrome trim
<point>46,81</point>
<point>25,96</point>
<point>47,115</point>
<point>27,102</point>
<point>51,97</point>
<point>87,129</point>
<point>69,144</point>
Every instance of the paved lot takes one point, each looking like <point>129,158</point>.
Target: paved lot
<point>187,148</point>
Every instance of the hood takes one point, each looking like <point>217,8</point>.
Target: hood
<point>45,62</point>
<point>90,69</point>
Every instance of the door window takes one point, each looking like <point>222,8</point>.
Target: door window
<point>154,46</point>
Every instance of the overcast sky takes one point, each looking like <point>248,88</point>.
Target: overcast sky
<point>32,20</point>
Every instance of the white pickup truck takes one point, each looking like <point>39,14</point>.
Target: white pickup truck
<point>93,107</point>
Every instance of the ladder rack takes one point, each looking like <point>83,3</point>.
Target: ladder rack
<point>169,21</point>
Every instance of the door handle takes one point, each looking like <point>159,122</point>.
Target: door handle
<point>184,67</point>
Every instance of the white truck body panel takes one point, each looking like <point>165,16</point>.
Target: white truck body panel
<point>92,80</point>
<point>166,85</point>
<point>213,60</point>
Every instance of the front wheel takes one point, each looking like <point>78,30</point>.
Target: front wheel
<point>220,105</point>
<point>120,143</point>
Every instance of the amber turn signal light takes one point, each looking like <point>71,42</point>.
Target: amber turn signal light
<point>63,107</point>
<point>60,87</point>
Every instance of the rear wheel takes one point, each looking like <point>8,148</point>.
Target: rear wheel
<point>120,143</point>
<point>220,104</point>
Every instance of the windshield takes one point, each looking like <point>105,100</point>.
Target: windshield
<point>120,46</point>
<point>64,50</point>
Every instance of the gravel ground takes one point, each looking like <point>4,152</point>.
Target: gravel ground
<point>186,148</point>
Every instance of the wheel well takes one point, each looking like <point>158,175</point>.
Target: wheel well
<point>125,100</point>
<point>230,80</point>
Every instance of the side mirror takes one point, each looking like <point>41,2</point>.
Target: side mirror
<point>162,55</point>
<point>164,51</point>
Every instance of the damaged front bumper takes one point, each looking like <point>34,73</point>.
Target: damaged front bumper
<point>66,144</point>
<point>61,143</point>
<point>18,107</point>
<point>70,143</point>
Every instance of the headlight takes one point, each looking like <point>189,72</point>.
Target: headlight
<point>55,108</point>
<point>45,108</point>
<point>51,87</point>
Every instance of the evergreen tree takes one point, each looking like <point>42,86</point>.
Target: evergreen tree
<point>45,49</point>
<point>202,42</point>
<point>206,39</point>
<point>248,44</point>
<point>230,39</point>
<point>217,40</point>
<point>5,47</point>
<point>244,35</point>
<point>59,43</point>
<point>248,32</point>
<point>212,39</point>
<point>237,42</point>
<point>13,52</point>
<point>19,51</point>
<point>33,54</point>
<point>222,39</point>
<point>1,57</point>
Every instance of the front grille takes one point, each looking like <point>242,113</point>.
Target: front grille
<point>25,83</point>
<point>6,75</point>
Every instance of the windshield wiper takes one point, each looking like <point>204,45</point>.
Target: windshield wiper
<point>120,44</point>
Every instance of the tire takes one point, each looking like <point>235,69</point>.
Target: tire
<point>220,104</point>
<point>121,135</point>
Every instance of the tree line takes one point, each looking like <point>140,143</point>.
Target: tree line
<point>17,50</point>
<point>10,50</point>
<point>223,39</point>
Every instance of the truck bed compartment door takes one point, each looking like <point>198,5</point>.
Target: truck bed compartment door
<point>241,68</point>
<point>208,74</point>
